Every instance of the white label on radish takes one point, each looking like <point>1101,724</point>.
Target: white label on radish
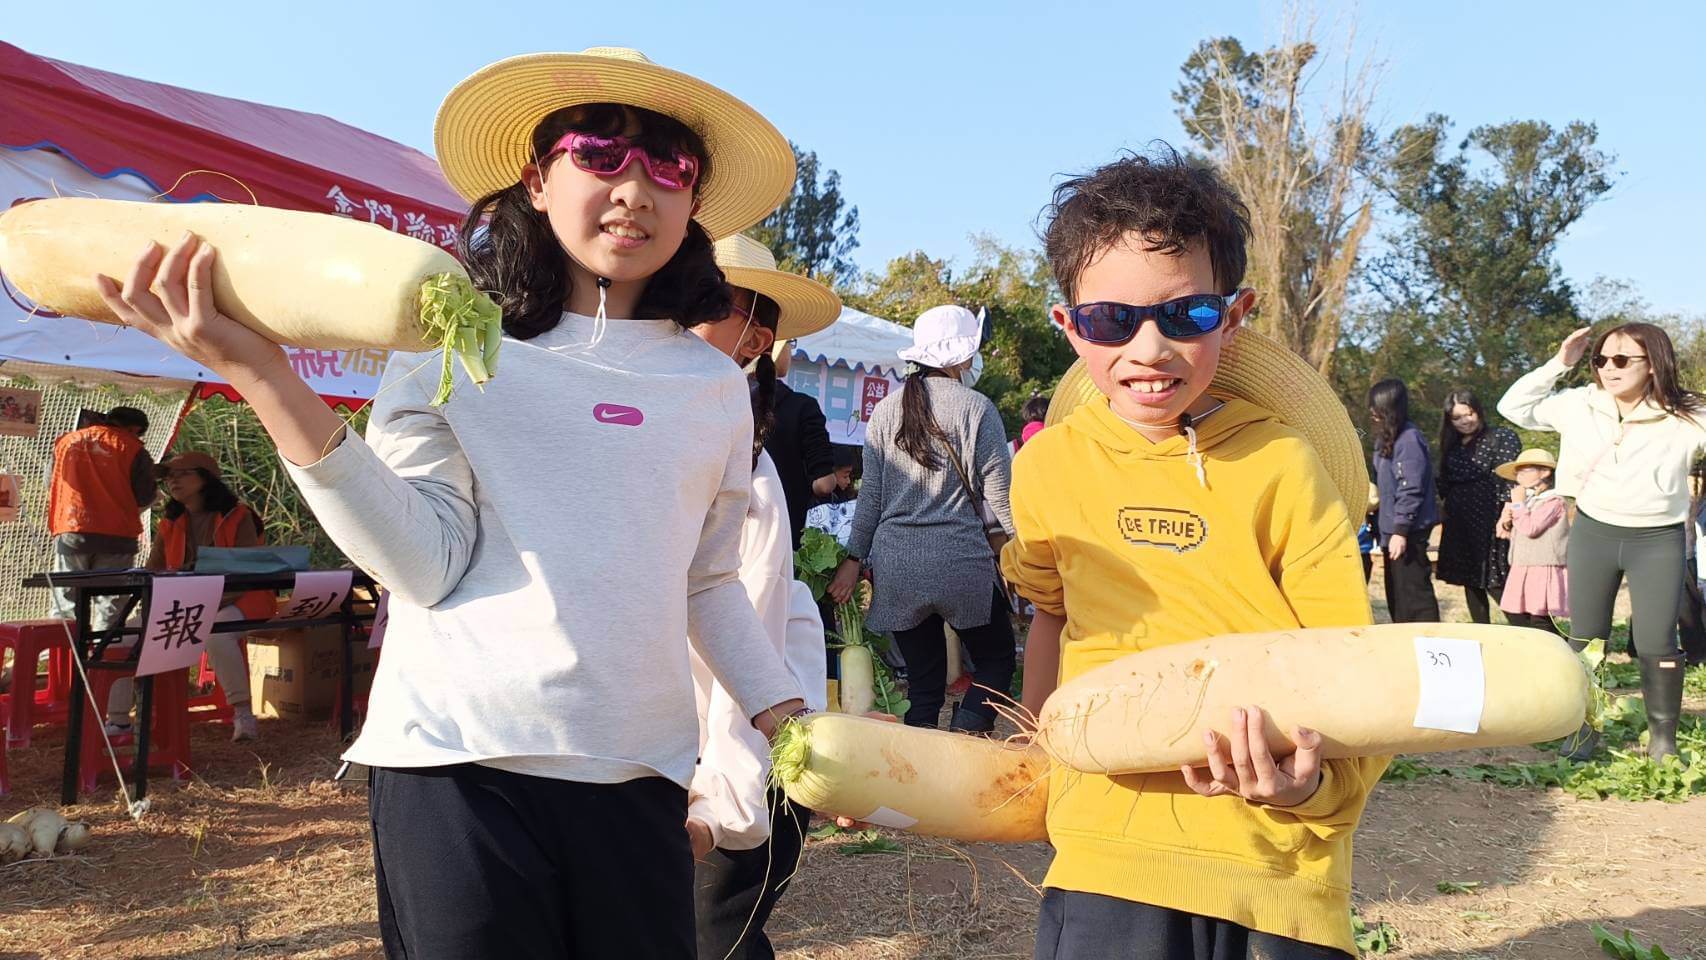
<point>1453,684</point>
<point>884,817</point>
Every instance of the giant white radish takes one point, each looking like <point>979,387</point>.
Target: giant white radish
<point>1360,687</point>
<point>924,781</point>
<point>858,679</point>
<point>303,279</point>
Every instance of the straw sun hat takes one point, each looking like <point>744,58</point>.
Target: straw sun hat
<point>1259,369</point>
<point>1532,457</point>
<point>484,125</point>
<point>807,306</point>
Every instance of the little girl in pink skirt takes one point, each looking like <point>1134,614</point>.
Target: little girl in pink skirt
<point>1537,523</point>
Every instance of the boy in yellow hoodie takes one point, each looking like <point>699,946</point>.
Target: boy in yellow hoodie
<point>1164,511</point>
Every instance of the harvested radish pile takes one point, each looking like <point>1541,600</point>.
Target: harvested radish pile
<point>303,279</point>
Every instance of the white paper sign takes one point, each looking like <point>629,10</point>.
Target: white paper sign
<point>318,593</point>
<point>884,817</point>
<point>181,613</point>
<point>1453,684</point>
<point>381,619</point>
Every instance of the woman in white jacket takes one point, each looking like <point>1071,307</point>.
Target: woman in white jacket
<point>747,837</point>
<point>1627,444</point>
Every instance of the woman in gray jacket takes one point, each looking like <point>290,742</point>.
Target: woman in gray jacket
<point>935,455</point>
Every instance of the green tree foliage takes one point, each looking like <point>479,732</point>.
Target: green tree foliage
<point>1026,354</point>
<point>814,231</point>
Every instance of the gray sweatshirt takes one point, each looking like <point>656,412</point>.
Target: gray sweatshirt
<point>918,528</point>
<point>547,543</point>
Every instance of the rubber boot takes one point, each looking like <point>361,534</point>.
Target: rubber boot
<point>1579,747</point>
<point>1661,686</point>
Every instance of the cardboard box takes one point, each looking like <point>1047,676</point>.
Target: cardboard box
<point>294,673</point>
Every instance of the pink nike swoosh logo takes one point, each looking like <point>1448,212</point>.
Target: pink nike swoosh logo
<point>618,414</point>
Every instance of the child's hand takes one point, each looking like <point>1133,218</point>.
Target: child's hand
<point>1395,545</point>
<point>169,296</point>
<point>700,837</point>
<point>1574,347</point>
<point>1519,495</point>
<point>1252,772</point>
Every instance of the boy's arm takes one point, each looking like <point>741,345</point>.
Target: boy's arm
<point>1042,662</point>
<point>1410,461</point>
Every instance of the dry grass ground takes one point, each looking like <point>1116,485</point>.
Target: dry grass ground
<point>262,856</point>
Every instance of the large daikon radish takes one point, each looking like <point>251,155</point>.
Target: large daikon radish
<point>303,279</point>
<point>924,781</point>
<point>1369,691</point>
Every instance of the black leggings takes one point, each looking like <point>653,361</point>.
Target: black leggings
<point>1480,604</point>
<point>1534,621</point>
<point>1652,558</point>
<point>925,648</point>
<point>734,891</point>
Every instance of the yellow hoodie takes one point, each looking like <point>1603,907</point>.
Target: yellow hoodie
<point>1140,544</point>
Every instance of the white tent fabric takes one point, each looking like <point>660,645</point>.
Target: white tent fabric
<point>858,340</point>
<point>848,367</point>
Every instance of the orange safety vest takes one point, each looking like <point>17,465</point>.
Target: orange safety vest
<point>175,547</point>
<point>91,491</point>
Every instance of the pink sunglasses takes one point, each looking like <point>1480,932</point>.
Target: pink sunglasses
<point>609,156</point>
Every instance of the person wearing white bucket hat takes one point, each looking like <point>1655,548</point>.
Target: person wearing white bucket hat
<point>747,837</point>
<point>547,542</point>
<point>935,456</point>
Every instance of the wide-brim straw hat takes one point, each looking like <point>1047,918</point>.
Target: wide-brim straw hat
<point>1259,369</point>
<point>483,127</point>
<point>1532,457</point>
<point>807,306</point>
<point>194,460</point>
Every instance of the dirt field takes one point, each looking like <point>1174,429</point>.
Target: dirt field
<point>262,856</point>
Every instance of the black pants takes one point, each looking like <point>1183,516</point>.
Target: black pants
<point>1534,621</point>
<point>735,890</point>
<point>925,648</point>
<point>1089,926</point>
<point>1692,619</point>
<point>1480,604</point>
<point>1600,556</point>
<point>1410,583</point>
<point>474,863</point>
<point>1367,567</point>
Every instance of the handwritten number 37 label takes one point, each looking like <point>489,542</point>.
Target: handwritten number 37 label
<point>1453,684</point>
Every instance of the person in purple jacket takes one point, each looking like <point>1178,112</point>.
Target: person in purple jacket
<point>1408,509</point>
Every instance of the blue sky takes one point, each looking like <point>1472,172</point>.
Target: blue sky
<point>948,119</point>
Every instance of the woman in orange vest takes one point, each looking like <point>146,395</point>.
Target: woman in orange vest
<point>203,512</point>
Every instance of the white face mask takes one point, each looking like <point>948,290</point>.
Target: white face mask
<point>970,375</point>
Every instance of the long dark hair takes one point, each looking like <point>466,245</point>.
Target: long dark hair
<point>1449,438</point>
<point>766,313</point>
<point>512,253</point>
<point>1664,387</point>
<point>918,426</point>
<point>216,497</point>
<point>1389,401</point>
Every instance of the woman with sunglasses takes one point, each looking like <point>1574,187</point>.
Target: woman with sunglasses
<point>547,541</point>
<point>935,454</point>
<point>1627,444</point>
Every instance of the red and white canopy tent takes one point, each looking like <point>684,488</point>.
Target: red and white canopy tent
<point>75,131</point>
<point>70,130</point>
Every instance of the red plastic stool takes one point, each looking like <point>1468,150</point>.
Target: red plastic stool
<point>212,707</point>
<point>168,735</point>
<point>28,639</point>
<point>5,776</point>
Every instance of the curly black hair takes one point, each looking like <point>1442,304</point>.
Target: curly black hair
<point>513,254</point>
<point>1169,201</point>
